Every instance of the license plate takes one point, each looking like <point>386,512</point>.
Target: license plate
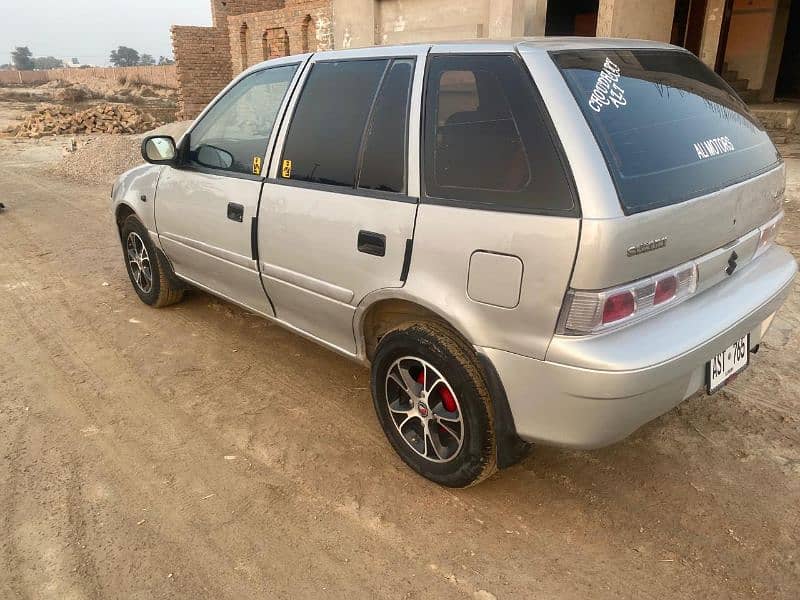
<point>727,363</point>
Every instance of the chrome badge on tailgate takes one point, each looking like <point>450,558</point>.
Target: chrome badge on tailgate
<point>647,246</point>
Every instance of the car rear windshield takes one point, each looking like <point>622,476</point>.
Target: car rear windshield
<point>669,127</point>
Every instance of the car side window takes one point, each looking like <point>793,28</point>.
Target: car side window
<point>349,126</point>
<point>233,134</point>
<point>487,142</point>
<point>384,164</point>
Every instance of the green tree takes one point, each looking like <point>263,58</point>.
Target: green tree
<point>22,57</point>
<point>147,60</point>
<point>42,63</point>
<point>124,57</point>
<point>163,60</point>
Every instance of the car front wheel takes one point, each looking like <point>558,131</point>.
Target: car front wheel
<point>147,268</point>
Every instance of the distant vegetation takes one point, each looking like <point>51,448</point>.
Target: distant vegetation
<point>129,57</point>
<point>22,59</point>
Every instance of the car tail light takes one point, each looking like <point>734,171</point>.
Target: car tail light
<point>599,311</point>
<point>666,288</point>
<point>618,307</point>
<point>768,234</point>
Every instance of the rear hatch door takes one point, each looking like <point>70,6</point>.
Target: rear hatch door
<point>694,171</point>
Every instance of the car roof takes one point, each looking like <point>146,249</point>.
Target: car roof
<point>548,43</point>
<point>543,43</point>
<point>522,44</point>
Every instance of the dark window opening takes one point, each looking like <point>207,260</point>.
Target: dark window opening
<point>572,17</point>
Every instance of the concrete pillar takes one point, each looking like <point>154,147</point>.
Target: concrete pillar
<point>643,19</point>
<point>506,18</point>
<point>712,27</point>
<point>353,23</point>
<point>535,17</point>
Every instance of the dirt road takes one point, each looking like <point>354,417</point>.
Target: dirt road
<point>200,452</point>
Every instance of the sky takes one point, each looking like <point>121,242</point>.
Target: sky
<point>90,29</point>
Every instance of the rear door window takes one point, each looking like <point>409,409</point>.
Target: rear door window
<point>350,127</point>
<point>487,142</point>
<point>324,139</point>
<point>670,129</point>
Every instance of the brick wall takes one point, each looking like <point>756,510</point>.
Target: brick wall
<point>165,75</point>
<point>202,57</point>
<point>258,36</point>
<point>245,32</point>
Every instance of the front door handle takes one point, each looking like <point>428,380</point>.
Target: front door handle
<point>235,212</point>
<point>373,243</point>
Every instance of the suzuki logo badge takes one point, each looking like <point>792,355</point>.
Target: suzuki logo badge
<point>732,263</point>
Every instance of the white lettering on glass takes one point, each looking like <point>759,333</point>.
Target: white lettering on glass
<point>606,91</point>
<point>713,147</point>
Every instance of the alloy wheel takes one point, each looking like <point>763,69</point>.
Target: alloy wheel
<point>424,409</point>
<point>139,262</point>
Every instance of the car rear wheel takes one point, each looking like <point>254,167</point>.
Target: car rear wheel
<point>148,269</point>
<point>433,404</point>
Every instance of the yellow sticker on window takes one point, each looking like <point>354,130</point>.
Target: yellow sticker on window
<point>256,165</point>
<point>286,169</point>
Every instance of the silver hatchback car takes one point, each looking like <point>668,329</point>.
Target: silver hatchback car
<point>542,241</point>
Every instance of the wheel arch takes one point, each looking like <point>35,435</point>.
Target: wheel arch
<point>380,312</point>
<point>122,211</point>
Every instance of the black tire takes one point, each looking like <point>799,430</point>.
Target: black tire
<point>164,288</point>
<point>456,361</point>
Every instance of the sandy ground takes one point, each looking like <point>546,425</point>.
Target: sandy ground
<point>200,452</point>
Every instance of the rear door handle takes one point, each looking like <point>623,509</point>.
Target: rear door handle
<point>235,212</point>
<point>373,243</point>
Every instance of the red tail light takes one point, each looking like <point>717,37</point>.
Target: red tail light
<point>588,312</point>
<point>666,289</point>
<point>618,307</point>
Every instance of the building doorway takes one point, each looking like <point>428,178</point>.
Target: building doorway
<point>572,17</point>
<point>787,86</point>
<point>688,23</point>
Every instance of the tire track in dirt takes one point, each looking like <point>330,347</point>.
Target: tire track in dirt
<point>557,526</point>
<point>89,384</point>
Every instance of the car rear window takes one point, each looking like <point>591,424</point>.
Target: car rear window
<point>669,127</point>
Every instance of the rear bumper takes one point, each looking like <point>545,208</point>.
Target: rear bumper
<point>594,391</point>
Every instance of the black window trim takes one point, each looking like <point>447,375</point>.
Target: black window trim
<point>195,168</point>
<point>353,191</point>
<point>425,198</point>
<point>347,191</point>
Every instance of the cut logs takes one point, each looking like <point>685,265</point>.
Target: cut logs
<point>104,118</point>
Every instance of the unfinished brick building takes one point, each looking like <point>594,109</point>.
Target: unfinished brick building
<point>748,42</point>
<point>244,33</point>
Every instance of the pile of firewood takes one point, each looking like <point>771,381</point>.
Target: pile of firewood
<point>104,118</point>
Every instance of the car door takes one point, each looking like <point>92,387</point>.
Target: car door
<point>337,213</point>
<point>207,206</point>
